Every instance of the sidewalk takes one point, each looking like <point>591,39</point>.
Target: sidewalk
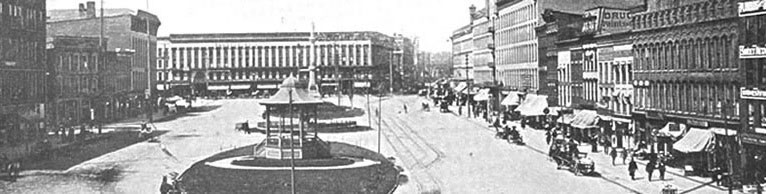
<point>618,174</point>
<point>135,122</point>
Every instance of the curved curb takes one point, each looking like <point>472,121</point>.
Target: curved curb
<point>226,163</point>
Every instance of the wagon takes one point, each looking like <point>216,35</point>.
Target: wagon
<point>566,157</point>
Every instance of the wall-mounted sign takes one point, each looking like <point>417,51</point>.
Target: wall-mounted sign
<point>753,94</point>
<point>752,8</point>
<point>753,139</point>
<point>697,123</point>
<point>753,51</point>
<point>606,21</point>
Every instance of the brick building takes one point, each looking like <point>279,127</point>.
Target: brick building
<point>218,64</point>
<point>127,31</point>
<point>686,74</point>
<point>23,89</point>
<point>558,26</point>
<point>88,86</point>
<point>752,63</point>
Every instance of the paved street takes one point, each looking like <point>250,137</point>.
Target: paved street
<point>439,152</point>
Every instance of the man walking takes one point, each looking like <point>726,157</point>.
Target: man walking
<point>650,170</point>
<point>613,154</point>
<point>661,167</point>
<point>632,167</point>
<point>624,154</point>
<point>405,108</point>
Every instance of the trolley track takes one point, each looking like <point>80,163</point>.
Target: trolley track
<point>418,156</point>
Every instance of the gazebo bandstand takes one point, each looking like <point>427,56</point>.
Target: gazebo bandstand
<point>287,104</point>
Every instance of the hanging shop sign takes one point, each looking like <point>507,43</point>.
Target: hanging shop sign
<point>698,123</point>
<point>752,8</point>
<point>753,51</point>
<point>753,94</point>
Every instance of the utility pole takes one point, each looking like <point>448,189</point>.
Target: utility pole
<point>337,74</point>
<point>468,88</point>
<point>148,68</point>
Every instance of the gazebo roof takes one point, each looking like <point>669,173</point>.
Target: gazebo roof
<point>300,95</point>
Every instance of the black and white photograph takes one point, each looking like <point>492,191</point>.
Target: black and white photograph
<point>383,96</point>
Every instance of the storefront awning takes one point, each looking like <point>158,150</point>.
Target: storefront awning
<point>483,95</point>
<point>472,90</point>
<point>672,130</point>
<point>566,119</point>
<point>695,140</point>
<point>512,99</point>
<point>460,87</point>
<point>585,119</point>
<point>533,105</point>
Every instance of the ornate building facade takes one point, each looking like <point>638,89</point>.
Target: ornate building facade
<point>752,59</point>
<point>207,64</point>
<point>686,70</point>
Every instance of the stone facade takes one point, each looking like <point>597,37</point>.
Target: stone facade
<point>23,89</point>
<point>217,64</point>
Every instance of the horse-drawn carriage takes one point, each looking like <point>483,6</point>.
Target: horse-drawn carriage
<point>566,155</point>
<point>510,135</point>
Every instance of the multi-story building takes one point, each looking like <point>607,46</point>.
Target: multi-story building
<point>75,62</point>
<point>482,53</point>
<point>23,79</point>
<point>210,64</point>
<point>686,73</point>
<point>517,52</point>
<point>558,26</point>
<point>89,86</point>
<point>462,47</point>
<point>752,63</point>
<point>127,30</point>
<point>404,63</point>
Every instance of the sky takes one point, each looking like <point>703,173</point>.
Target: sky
<point>431,21</point>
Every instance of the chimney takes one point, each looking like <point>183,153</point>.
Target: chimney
<point>472,11</point>
<point>82,11</point>
<point>91,6</point>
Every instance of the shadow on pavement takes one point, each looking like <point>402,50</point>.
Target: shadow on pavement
<point>65,157</point>
<point>320,130</point>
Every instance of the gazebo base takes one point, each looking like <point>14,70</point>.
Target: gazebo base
<point>276,148</point>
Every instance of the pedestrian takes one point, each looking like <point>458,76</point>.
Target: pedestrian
<point>650,170</point>
<point>165,187</point>
<point>613,154</point>
<point>594,144</point>
<point>548,137</point>
<point>624,154</point>
<point>661,167</point>
<point>632,167</point>
<point>523,123</point>
<point>405,108</point>
<point>607,144</point>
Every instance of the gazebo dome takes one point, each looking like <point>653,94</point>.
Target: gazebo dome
<point>289,90</point>
<point>290,82</point>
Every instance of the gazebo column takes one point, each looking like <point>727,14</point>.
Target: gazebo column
<point>268,121</point>
<point>316,115</point>
<point>300,120</point>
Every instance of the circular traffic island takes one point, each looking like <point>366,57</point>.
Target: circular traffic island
<point>350,169</point>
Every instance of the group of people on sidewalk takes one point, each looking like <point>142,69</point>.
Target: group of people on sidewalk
<point>654,164</point>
